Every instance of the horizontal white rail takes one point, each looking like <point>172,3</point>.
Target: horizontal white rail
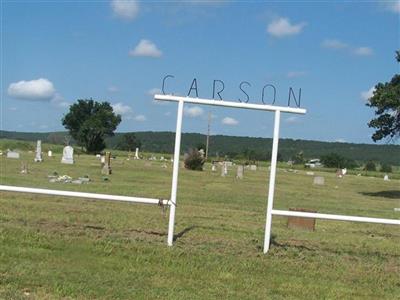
<point>230,104</point>
<point>333,217</point>
<point>83,195</point>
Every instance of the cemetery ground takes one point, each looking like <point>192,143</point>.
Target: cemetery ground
<point>54,247</point>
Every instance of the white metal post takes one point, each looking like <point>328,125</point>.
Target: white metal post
<point>175,173</point>
<point>272,175</point>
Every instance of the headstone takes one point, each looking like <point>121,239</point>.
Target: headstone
<point>24,168</point>
<point>310,173</point>
<point>224,170</point>
<point>13,154</point>
<point>228,163</point>
<point>386,177</point>
<point>137,154</point>
<point>102,160</point>
<point>50,153</point>
<point>164,166</point>
<point>106,170</point>
<point>98,155</point>
<point>301,223</point>
<point>253,167</point>
<point>38,157</point>
<point>213,168</point>
<point>68,155</point>
<point>344,171</point>
<point>319,180</point>
<point>239,172</point>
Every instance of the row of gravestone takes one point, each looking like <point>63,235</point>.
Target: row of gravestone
<point>67,158</point>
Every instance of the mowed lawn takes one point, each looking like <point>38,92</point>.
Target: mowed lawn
<point>67,248</point>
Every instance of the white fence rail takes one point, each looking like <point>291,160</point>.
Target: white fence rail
<point>334,217</point>
<point>83,195</point>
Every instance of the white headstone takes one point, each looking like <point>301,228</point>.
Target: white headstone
<point>50,153</point>
<point>213,168</point>
<point>68,155</point>
<point>137,154</point>
<point>386,177</point>
<point>228,163</point>
<point>38,156</point>
<point>310,173</point>
<point>344,171</point>
<point>253,167</point>
<point>13,154</point>
<point>319,180</point>
<point>239,172</point>
<point>106,170</point>
<point>224,169</point>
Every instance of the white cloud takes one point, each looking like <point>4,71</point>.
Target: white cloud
<point>367,94</point>
<point>154,91</point>
<point>334,44</point>
<point>295,74</point>
<point>121,109</point>
<point>125,9</point>
<point>59,101</point>
<point>339,45</point>
<point>229,121</point>
<point>140,118</point>
<point>393,6</point>
<point>146,48</point>
<point>363,51</point>
<point>39,89</point>
<point>292,119</point>
<point>193,111</point>
<point>112,89</point>
<point>282,27</point>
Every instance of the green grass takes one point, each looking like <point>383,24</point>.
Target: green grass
<point>65,248</point>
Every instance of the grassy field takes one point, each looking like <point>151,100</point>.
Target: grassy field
<point>64,248</point>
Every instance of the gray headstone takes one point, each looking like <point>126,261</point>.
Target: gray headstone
<point>38,156</point>
<point>68,155</point>
<point>13,154</point>
<point>239,172</point>
<point>253,167</point>
<point>213,168</point>
<point>319,180</point>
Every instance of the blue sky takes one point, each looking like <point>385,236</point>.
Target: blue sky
<point>55,52</point>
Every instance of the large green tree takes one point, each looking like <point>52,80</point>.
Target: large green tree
<point>386,101</point>
<point>89,122</point>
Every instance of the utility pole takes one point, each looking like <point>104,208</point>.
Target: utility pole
<point>208,133</point>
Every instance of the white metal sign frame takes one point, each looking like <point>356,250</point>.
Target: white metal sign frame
<point>173,200</point>
<point>271,190</point>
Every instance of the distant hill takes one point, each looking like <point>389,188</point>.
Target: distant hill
<point>163,142</point>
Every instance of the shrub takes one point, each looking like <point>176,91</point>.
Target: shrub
<point>386,168</point>
<point>370,166</point>
<point>194,160</point>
